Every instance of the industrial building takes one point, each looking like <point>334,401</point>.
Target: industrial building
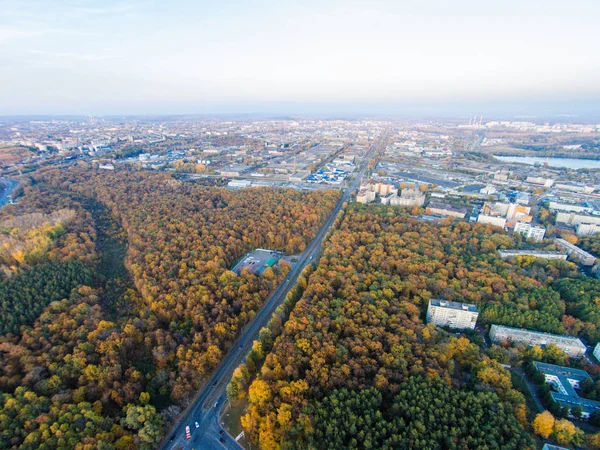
<point>452,314</point>
<point>568,344</point>
<point>565,381</point>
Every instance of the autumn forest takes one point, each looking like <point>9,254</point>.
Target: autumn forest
<point>118,301</point>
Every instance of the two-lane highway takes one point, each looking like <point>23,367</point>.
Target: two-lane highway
<point>208,403</point>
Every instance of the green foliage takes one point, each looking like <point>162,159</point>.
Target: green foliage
<point>24,296</point>
<point>425,414</point>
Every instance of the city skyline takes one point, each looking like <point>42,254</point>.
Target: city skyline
<point>128,57</point>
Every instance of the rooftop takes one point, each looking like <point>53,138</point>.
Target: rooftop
<point>553,338</point>
<point>453,305</point>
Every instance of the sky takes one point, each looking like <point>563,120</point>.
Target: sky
<point>379,56</point>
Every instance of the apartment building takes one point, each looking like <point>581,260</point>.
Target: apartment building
<point>530,231</point>
<point>444,313</point>
<point>566,381</point>
<point>568,344</point>
<point>585,258</point>
<point>505,254</point>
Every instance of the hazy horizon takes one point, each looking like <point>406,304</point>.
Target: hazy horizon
<point>337,57</point>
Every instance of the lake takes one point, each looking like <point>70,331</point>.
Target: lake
<point>568,163</point>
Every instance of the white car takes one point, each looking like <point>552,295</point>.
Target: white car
<point>197,424</point>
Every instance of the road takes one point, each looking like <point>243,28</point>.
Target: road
<point>207,406</point>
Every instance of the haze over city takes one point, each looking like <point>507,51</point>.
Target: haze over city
<point>183,57</point>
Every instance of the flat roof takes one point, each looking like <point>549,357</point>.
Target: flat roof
<point>446,206</point>
<point>453,305</point>
<point>568,395</point>
<point>554,337</point>
<point>528,252</point>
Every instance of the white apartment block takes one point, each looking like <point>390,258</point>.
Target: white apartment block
<point>452,314</point>
<point>505,254</point>
<point>568,344</point>
<point>596,351</point>
<point>585,258</point>
<point>587,229</point>
<point>530,231</point>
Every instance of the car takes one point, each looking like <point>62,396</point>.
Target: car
<point>172,438</point>
<point>197,424</point>
<point>222,440</point>
<point>216,403</point>
<point>221,432</point>
<point>188,433</point>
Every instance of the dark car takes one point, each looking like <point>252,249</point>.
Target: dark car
<point>222,440</point>
<point>222,432</point>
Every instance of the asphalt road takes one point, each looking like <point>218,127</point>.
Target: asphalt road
<point>207,406</point>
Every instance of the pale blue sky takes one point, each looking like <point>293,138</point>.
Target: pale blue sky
<point>102,57</point>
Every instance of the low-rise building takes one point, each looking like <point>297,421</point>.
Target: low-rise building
<point>565,381</point>
<point>573,219</point>
<point>504,254</point>
<point>568,344</point>
<point>492,220</point>
<point>585,258</point>
<point>444,313</point>
<point>239,184</point>
<point>445,210</point>
<point>568,207</point>
<point>553,447</point>
<point>546,182</point>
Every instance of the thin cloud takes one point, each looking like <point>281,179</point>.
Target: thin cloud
<point>9,34</point>
<point>75,56</point>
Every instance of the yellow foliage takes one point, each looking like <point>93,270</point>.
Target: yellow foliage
<point>543,424</point>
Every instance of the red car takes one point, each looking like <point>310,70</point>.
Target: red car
<point>188,435</point>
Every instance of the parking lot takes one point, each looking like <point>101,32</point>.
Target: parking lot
<point>258,260</point>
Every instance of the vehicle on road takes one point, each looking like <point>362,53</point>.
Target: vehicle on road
<point>188,434</point>
<point>216,403</point>
<point>222,440</point>
<point>197,424</point>
<point>221,432</point>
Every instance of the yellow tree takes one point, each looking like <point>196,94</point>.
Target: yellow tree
<point>543,424</point>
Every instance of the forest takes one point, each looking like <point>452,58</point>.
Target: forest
<point>359,326</point>
<point>133,302</point>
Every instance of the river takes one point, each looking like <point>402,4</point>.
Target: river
<point>9,187</point>
<point>567,163</point>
